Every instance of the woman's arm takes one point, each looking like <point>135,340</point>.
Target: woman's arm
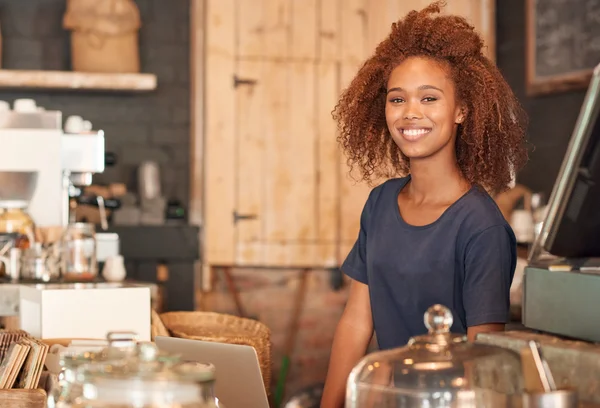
<point>473,331</point>
<point>352,336</point>
<point>489,269</point>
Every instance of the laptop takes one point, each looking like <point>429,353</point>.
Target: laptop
<point>238,383</point>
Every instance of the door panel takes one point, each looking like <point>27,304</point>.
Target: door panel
<point>219,136</point>
<point>250,163</point>
<point>291,179</point>
<point>328,158</point>
<point>355,48</point>
<point>277,174</point>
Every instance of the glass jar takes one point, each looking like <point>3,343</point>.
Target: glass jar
<point>79,252</point>
<point>121,345</point>
<point>17,221</point>
<point>150,380</point>
<point>39,264</point>
<point>437,370</point>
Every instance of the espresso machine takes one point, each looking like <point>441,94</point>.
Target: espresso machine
<point>43,166</point>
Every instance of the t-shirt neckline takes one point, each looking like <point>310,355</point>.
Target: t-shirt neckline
<point>432,224</point>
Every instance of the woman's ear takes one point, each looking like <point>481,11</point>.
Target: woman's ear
<point>461,115</point>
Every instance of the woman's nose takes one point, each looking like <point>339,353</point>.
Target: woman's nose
<point>413,111</point>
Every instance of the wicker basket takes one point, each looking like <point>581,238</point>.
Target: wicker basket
<point>224,328</point>
<point>157,328</point>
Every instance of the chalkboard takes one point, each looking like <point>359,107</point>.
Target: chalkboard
<point>563,44</point>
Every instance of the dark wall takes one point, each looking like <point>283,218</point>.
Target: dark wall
<point>552,117</point>
<point>138,127</point>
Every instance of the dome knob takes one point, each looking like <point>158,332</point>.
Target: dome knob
<point>438,319</point>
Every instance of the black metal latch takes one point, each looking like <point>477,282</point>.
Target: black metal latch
<point>240,217</point>
<point>239,81</point>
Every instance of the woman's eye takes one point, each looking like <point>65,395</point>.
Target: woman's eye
<point>429,99</point>
<point>396,100</point>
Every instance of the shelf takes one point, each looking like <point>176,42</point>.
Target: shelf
<point>68,80</point>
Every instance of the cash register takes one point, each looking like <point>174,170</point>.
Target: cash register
<point>561,289</point>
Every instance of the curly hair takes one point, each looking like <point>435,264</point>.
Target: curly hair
<point>490,143</point>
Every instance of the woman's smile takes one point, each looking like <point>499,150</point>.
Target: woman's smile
<point>412,134</point>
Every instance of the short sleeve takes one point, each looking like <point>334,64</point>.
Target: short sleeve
<point>490,261</point>
<point>355,265</point>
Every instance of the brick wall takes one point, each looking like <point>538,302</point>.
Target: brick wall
<point>268,295</point>
<point>152,126</point>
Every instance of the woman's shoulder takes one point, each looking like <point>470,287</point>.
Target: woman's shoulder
<point>480,212</point>
<point>390,187</point>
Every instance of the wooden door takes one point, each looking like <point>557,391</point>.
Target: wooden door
<point>276,134</point>
<point>277,190</point>
<point>272,170</point>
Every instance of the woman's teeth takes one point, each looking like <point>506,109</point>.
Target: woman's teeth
<point>415,132</point>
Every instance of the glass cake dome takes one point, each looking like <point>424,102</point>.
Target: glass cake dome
<point>436,370</point>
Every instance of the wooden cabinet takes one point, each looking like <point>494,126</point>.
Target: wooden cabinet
<point>276,187</point>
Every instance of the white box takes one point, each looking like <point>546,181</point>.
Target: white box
<point>86,311</point>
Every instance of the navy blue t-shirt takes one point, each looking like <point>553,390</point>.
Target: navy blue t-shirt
<point>465,260</point>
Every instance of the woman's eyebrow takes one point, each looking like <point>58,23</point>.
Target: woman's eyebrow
<point>421,88</point>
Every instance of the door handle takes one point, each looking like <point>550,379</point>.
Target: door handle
<point>237,81</point>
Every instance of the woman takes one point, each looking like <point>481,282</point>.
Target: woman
<point>431,110</point>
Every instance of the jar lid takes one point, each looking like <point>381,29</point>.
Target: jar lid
<point>121,345</point>
<point>143,360</point>
<point>147,363</point>
<point>80,229</point>
<point>150,378</point>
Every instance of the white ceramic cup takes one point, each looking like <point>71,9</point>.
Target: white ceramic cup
<point>523,226</point>
<point>74,124</point>
<point>25,105</point>
<point>114,269</point>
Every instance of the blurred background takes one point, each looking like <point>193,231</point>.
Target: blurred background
<point>222,177</point>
